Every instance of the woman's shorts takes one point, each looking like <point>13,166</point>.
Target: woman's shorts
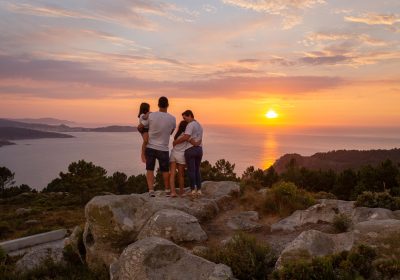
<point>178,157</point>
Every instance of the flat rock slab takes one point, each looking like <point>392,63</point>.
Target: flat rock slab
<point>324,211</point>
<point>37,257</point>
<point>173,225</point>
<point>155,258</point>
<point>246,221</point>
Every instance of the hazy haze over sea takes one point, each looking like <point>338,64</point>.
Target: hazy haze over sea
<point>37,162</point>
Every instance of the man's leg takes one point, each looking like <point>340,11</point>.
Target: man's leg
<point>199,156</point>
<point>190,162</point>
<point>163,160</point>
<point>150,180</point>
<point>150,164</point>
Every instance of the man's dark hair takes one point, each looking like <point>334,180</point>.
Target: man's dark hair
<point>163,102</point>
<point>188,113</point>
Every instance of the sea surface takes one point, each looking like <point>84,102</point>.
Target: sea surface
<point>37,162</point>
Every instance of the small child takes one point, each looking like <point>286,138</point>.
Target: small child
<point>143,127</point>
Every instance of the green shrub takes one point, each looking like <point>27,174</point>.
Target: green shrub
<point>356,264</point>
<point>3,255</point>
<point>378,200</point>
<point>341,222</point>
<point>324,195</point>
<point>388,268</point>
<point>245,256</point>
<point>284,198</point>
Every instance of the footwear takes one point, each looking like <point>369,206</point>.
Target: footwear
<point>167,193</point>
<point>193,193</point>
<point>199,193</point>
<point>152,194</point>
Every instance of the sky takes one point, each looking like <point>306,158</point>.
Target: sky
<point>314,62</point>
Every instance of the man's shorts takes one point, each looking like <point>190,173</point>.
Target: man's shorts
<point>178,157</point>
<point>161,156</point>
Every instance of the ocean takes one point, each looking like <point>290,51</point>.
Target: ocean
<point>37,162</point>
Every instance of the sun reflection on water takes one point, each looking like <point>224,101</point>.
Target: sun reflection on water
<point>270,151</point>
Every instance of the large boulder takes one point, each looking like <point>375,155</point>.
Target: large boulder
<point>174,225</point>
<point>155,258</point>
<point>222,192</point>
<point>362,214</point>
<point>246,221</point>
<point>315,243</point>
<point>324,211</point>
<point>112,223</point>
<point>376,233</point>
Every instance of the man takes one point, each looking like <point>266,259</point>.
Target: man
<point>161,126</point>
<point>193,152</point>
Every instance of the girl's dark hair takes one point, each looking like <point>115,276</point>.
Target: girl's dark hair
<point>181,129</point>
<point>188,113</point>
<point>144,108</point>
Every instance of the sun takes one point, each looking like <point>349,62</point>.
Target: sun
<point>271,114</point>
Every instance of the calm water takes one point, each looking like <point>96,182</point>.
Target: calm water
<point>37,162</point>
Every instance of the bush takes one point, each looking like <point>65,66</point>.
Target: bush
<point>388,268</point>
<point>324,195</point>
<point>284,198</point>
<point>378,200</point>
<point>245,256</point>
<point>341,222</point>
<point>356,264</point>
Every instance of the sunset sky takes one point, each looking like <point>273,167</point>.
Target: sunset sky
<point>314,62</point>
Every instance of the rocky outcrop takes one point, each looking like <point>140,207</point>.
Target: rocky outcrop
<point>155,258</point>
<point>115,221</point>
<point>174,225</point>
<point>246,221</point>
<point>315,243</point>
<point>370,226</point>
<point>324,211</point>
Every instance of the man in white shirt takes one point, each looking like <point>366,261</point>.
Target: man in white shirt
<point>161,126</point>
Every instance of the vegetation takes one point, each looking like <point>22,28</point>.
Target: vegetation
<point>378,200</point>
<point>284,198</point>
<point>341,222</point>
<point>356,264</point>
<point>247,258</point>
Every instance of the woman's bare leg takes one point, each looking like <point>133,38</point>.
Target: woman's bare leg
<point>181,178</point>
<point>145,137</point>
<point>172,178</point>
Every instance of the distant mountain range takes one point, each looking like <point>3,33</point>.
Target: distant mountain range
<point>338,160</point>
<point>49,121</point>
<point>17,130</point>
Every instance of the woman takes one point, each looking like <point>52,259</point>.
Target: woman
<point>177,160</point>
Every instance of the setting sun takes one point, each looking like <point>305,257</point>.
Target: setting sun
<point>271,114</point>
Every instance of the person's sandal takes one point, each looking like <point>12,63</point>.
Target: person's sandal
<point>199,193</point>
<point>152,194</point>
<point>168,193</point>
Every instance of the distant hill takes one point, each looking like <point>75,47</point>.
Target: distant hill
<point>5,143</point>
<point>63,127</point>
<point>17,133</point>
<point>48,121</point>
<point>338,160</point>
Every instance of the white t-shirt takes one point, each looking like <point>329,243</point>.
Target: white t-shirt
<point>144,122</point>
<point>161,125</point>
<point>195,131</point>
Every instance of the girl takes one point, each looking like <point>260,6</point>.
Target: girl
<point>143,127</point>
